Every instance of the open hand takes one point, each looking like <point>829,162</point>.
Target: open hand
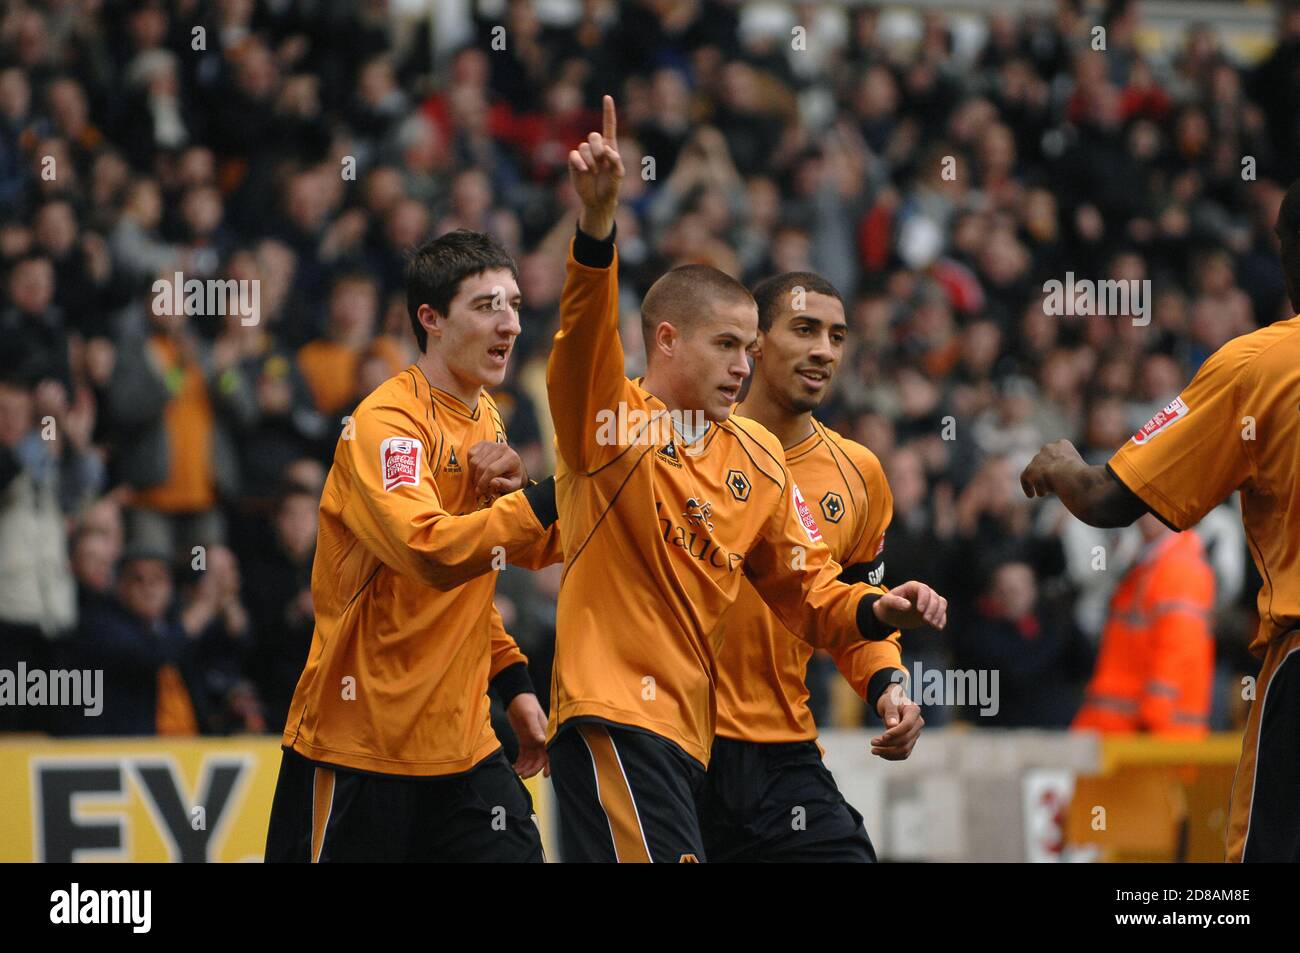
<point>912,604</point>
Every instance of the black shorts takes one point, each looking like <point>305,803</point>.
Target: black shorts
<point>1264,813</point>
<point>625,795</point>
<point>777,803</point>
<point>322,813</point>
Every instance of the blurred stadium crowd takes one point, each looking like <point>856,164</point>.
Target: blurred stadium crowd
<point>141,139</point>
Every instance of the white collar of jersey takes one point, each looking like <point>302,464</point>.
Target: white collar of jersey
<point>688,433</point>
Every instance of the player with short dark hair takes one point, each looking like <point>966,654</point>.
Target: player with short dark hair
<point>661,516</point>
<point>436,269</point>
<point>768,796</point>
<point>1236,426</point>
<point>389,751</point>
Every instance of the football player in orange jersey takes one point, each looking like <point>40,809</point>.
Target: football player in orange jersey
<point>388,751</point>
<point>768,796</point>
<point>664,506</point>
<point>1234,427</point>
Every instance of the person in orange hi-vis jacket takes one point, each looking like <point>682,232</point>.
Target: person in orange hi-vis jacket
<point>1156,665</point>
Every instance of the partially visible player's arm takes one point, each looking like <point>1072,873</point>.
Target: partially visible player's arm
<point>1179,466</point>
<point>1091,493</point>
<point>510,680</point>
<point>393,507</point>
<point>508,672</point>
<point>875,669</point>
<point>870,667</point>
<point>547,549</point>
<point>584,374</point>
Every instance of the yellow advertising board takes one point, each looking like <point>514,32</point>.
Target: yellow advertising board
<point>136,800</point>
<point>147,799</point>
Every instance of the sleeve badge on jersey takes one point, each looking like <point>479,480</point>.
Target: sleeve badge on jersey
<point>1173,412</point>
<point>805,516</point>
<point>399,461</point>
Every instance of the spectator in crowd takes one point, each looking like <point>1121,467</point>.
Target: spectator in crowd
<point>46,475</point>
<point>330,366</point>
<point>171,419</point>
<point>1040,661</point>
<point>93,561</point>
<point>32,324</point>
<point>213,614</point>
<point>146,654</point>
<point>278,587</point>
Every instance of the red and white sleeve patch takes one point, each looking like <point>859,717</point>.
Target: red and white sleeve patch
<point>1173,412</point>
<point>399,462</point>
<point>805,516</point>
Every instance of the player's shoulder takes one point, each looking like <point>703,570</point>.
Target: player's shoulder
<point>1273,347</point>
<point>401,401</point>
<point>860,457</point>
<point>756,442</point>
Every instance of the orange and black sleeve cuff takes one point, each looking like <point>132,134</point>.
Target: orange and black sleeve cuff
<point>511,681</point>
<point>871,628</point>
<point>594,252</point>
<point>881,681</point>
<point>541,497</point>
<point>1110,471</point>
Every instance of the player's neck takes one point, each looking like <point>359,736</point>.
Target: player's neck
<point>789,428</point>
<point>659,388</point>
<point>688,422</point>
<point>440,376</point>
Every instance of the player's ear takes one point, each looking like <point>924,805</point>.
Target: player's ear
<point>666,337</point>
<point>431,320</point>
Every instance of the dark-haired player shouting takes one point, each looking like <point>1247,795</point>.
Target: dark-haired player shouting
<point>388,750</point>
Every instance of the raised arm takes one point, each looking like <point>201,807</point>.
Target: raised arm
<point>585,375</point>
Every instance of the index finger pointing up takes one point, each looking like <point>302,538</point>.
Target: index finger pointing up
<point>611,120</point>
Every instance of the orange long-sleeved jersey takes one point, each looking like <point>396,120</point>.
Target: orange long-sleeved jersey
<point>1155,670</point>
<point>657,536</point>
<point>761,688</point>
<point>406,634</point>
